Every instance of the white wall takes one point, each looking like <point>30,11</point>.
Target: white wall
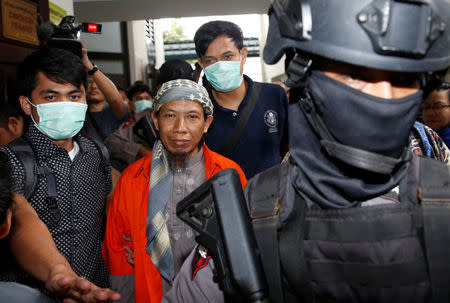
<point>268,71</point>
<point>137,49</point>
<point>159,43</point>
<point>66,5</point>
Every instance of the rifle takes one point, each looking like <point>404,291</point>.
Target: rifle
<point>217,211</point>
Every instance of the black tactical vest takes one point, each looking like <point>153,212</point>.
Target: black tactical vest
<point>395,248</point>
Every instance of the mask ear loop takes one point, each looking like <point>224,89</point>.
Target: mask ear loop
<point>31,103</point>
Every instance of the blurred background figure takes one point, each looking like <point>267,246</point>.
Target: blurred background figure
<point>106,108</point>
<point>12,120</point>
<point>140,98</point>
<point>436,110</point>
<point>175,69</point>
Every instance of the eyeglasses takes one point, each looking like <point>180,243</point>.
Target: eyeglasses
<point>435,107</point>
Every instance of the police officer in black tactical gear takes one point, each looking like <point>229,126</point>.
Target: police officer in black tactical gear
<point>353,216</point>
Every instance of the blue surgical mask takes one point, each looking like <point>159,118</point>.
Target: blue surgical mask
<point>142,105</point>
<point>60,120</point>
<point>224,76</point>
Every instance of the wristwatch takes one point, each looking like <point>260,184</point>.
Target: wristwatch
<point>93,70</point>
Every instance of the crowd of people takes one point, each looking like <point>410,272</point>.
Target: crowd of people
<point>344,170</point>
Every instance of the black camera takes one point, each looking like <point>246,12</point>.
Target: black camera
<point>66,34</point>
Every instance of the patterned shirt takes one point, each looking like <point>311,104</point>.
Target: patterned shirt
<point>185,179</point>
<point>423,141</point>
<point>82,186</point>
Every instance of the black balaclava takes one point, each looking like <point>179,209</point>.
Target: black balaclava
<point>357,120</point>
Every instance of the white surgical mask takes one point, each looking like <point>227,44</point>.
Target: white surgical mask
<point>142,105</point>
<point>60,120</point>
<point>224,76</point>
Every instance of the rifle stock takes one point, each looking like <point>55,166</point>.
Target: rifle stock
<point>217,211</point>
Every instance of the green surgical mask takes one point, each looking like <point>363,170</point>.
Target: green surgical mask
<point>224,76</point>
<point>142,105</point>
<point>60,120</point>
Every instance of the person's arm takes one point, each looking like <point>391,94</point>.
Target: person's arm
<point>116,235</point>
<point>107,87</point>
<point>36,252</point>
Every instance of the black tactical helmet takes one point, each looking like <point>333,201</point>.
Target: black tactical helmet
<point>392,35</point>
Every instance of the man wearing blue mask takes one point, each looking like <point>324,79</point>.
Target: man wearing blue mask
<point>140,96</point>
<point>123,145</point>
<point>250,119</point>
<point>69,176</point>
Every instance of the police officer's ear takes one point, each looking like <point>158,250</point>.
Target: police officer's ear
<point>200,62</point>
<point>244,53</point>
<point>6,226</point>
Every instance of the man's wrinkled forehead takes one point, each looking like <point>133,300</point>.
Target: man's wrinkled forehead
<point>182,106</point>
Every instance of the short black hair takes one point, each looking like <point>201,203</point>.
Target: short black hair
<point>213,29</point>
<point>59,65</point>
<point>436,84</point>
<point>174,69</point>
<point>139,87</point>
<point>5,187</point>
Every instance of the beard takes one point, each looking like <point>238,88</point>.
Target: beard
<point>178,156</point>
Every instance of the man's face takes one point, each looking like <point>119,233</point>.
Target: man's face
<point>377,83</point>
<point>436,111</point>
<point>47,91</point>
<point>223,48</point>
<point>93,93</point>
<point>138,97</point>
<point>181,125</point>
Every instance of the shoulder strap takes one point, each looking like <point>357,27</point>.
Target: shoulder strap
<point>292,255</point>
<point>22,149</point>
<point>240,124</point>
<point>434,191</point>
<point>264,207</point>
<point>104,155</point>
<point>52,194</point>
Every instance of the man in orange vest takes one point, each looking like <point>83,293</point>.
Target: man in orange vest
<point>145,243</point>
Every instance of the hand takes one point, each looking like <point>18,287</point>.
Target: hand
<point>130,254</point>
<point>66,284</point>
<point>85,57</point>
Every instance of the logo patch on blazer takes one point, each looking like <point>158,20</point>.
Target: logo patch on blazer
<point>271,120</point>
